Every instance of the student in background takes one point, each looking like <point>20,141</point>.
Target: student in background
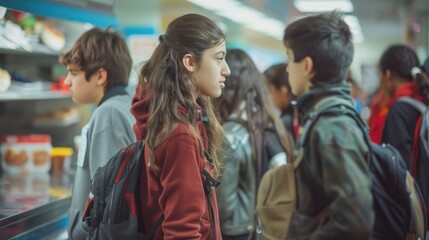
<point>333,181</point>
<point>176,119</point>
<point>356,92</point>
<point>280,91</point>
<point>397,82</point>
<point>249,124</point>
<point>378,115</point>
<point>98,65</point>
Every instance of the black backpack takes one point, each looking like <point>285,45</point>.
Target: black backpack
<point>397,201</point>
<point>113,210</point>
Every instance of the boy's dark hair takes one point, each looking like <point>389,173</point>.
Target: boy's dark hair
<point>399,60</point>
<point>99,48</point>
<point>327,40</point>
<point>277,76</point>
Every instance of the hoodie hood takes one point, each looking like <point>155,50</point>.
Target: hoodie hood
<point>140,110</point>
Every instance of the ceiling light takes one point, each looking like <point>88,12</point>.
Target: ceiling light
<point>355,28</point>
<point>323,5</point>
<point>244,15</point>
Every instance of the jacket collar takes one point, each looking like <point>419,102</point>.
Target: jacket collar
<point>114,91</point>
<point>307,102</point>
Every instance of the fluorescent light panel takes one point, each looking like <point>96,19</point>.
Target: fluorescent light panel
<point>244,15</point>
<point>323,5</point>
<point>355,28</point>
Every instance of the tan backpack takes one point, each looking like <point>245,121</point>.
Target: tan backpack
<point>276,200</point>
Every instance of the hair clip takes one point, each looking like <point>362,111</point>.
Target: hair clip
<point>161,38</point>
<point>415,71</point>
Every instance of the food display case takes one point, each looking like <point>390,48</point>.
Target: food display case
<point>35,194</point>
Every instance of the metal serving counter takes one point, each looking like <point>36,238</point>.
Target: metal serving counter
<point>33,206</point>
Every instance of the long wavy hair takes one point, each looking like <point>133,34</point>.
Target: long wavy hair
<point>171,87</point>
<point>246,86</point>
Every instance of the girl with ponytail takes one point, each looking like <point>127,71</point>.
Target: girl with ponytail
<point>175,117</point>
<point>398,82</point>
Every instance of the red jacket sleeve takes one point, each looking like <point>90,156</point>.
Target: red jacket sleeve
<point>182,199</point>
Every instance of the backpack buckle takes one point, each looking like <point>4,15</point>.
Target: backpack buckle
<point>90,221</point>
<point>210,181</point>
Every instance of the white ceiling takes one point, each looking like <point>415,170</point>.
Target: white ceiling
<point>381,20</point>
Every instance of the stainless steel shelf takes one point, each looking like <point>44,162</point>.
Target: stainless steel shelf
<point>44,95</point>
<point>49,123</point>
<point>39,49</point>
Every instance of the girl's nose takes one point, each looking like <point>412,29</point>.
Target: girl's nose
<point>226,71</point>
<point>67,81</point>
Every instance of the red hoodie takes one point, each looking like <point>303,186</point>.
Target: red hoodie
<point>380,108</point>
<point>176,189</point>
<point>378,115</point>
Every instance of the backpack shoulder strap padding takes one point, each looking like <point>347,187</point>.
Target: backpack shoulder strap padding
<point>421,107</point>
<point>331,105</point>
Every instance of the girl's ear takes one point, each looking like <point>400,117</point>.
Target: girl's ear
<point>101,77</point>
<point>189,63</point>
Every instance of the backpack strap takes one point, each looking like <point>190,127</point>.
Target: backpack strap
<point>421,107</point>
<point>417,137</point>
<point>322,108</point>
<point>208,184</point>
<point>331,105</point>
<point>149,234</point>
<point>258,151</point>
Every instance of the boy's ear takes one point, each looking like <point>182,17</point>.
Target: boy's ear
<point>101,76</point>
<point>189,63</point>
<point>388,74</point>
<point>308,67</point>
<point>284,90</point>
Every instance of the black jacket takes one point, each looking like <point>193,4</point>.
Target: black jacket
<point>399,129</point>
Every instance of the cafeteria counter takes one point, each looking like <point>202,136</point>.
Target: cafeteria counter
<point>33,206</point>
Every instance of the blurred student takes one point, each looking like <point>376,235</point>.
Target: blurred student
<point>280,91</point>
<point>398,82</point>
<point>176,119</point>
<point>249,124</point>
<point>333,180</point>
<point>378,115</point>
<point>98,65</point>
<point>356,92</point>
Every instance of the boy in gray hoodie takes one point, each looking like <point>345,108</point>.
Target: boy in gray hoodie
<point>98,64</point>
